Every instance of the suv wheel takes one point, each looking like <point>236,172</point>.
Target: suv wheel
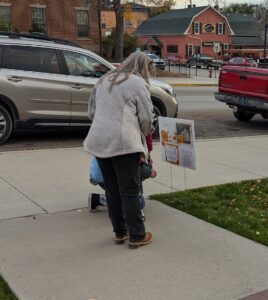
<point>6,124</point>
<point>155,126</point>
<point>243,115</point>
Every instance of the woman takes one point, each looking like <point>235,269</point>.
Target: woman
<point>120,109</point>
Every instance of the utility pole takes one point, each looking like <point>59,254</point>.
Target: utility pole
<point>265,39</point>
<point>100,29</point>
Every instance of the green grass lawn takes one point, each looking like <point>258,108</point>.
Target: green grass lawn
<point>240,207</point>
<point>5,292</point>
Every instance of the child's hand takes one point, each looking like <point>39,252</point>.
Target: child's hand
<point>150,161</point>
<point>153,174</point>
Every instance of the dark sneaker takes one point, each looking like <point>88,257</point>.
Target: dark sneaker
<point>120,239</point>
<point>145,241</point>
<point>94,202</point>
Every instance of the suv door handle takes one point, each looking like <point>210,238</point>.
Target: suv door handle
<point>243,77</point>
<point>14,78</point>
<point>76,86</point>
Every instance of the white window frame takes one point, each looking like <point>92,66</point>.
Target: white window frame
<point>220,28</point>
<point>225,46</point>
<point>196,27</point>
<point>39,17</point>
<point>82,22</point>
<point>190,46</point>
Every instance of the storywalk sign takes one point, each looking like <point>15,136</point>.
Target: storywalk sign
<point>177,138</point>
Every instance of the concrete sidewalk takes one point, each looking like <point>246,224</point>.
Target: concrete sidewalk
<point>189,81</point>
<point>61,251</point>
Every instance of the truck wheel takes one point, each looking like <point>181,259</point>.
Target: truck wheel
<point>6,124</point>
<point>243,116</point>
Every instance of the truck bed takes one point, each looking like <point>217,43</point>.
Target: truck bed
<point>244,81</point>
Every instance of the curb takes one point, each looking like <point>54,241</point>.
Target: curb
<point>193,84</point>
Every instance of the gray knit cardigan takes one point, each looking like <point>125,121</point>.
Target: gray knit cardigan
<point>121,118</point>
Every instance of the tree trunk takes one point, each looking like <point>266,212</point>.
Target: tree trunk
<point>119,31</point>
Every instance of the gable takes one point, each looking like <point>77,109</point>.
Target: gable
<point>210,16</point>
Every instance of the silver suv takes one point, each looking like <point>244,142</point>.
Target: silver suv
<point>47,82</point>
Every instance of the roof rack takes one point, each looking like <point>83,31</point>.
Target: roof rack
<point>38,36</point>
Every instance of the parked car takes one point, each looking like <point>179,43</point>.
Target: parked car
<point>47,82</point>
<point>158,62</point>
<point>242,61</point>
<point>203,60</point>
<point>244,90</point>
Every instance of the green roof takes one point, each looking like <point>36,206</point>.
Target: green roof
<point>246,40</point>
<point>243,24</point>
<point>175,21</point>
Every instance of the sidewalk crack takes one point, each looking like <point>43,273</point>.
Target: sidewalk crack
<point>19,191</point>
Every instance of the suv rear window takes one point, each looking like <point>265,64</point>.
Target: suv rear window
<point>31,59</point>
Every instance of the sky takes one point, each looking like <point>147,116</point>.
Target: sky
<point>183,3</point>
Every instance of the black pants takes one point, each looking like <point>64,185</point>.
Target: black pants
<point>121,176</point>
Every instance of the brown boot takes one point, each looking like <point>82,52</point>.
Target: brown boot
<point>145,241</point>
<point>120,239</point>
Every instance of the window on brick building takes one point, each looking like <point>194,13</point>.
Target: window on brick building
<point>127,24</point>
<point>189,49</point>
<point>82,23</point>
<point>5,22</point>
<point>172,48</point>
<point>196,28</point>
<point>225,46</point>
<point>220,28</point>
<point>197,49</point>
<point>39,20</point>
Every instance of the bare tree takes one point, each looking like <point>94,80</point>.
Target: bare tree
<point>119,15</point>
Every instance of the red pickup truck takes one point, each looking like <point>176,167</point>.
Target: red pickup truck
<point>245,90</point>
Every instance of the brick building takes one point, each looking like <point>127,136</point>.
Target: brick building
<point>134,15</point>
<point>184,32</point>
<point>75,20</point>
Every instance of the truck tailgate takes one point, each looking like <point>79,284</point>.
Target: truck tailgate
<point>247,81</point>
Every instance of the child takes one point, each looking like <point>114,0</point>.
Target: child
<point>97,200</point>
<point>146,171</point>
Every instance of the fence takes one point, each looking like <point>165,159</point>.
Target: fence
<point>188,70</point>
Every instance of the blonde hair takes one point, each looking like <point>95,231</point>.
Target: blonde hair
<point>137,63</point>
